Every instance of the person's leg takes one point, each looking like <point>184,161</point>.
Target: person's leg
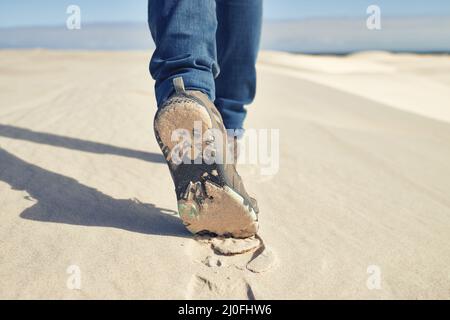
<point>184,32</point>
<point>238,35</point>
<point>210,194</point>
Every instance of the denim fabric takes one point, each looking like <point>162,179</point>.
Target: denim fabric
<point>213,45</point>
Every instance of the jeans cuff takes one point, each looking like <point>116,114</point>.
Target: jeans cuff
<point>193,80</point>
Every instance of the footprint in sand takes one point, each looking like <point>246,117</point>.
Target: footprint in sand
<point>225,263</point>
<point>231,246</point>
<point>262,261</point>
<point>216,287</point>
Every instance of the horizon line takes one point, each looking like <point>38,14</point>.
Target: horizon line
<point>265,20</point>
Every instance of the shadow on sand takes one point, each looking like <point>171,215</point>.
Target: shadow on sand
<point>76,144</point>
<point>61,199</point>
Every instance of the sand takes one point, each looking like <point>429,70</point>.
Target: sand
<point>359,209</point>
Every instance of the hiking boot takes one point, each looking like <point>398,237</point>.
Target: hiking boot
<point>211,195</point>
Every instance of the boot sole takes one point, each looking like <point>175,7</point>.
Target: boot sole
<point>205,206</point>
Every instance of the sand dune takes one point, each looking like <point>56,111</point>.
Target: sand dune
<point>362,186</point>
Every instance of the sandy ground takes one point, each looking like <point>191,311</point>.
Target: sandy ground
<point>360,206</point>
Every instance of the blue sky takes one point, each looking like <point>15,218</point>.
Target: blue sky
<point>53,12</point>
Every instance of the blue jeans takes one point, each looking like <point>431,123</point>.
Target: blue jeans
<point>213,45</point>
